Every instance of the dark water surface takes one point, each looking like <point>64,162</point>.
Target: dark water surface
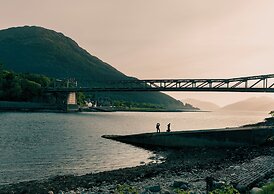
<point>41,145</point>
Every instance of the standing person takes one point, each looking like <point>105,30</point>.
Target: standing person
<point>168,127</point>
<point>158,127</point>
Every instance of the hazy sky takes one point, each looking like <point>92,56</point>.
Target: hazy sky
<point>163,38</point>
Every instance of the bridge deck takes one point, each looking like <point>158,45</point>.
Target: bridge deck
<point>261,83</point>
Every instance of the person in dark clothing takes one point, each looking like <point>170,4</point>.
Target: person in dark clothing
<point>168,127</point>
<point>158,127</point>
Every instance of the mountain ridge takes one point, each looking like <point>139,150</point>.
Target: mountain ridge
<point>203,105</point>
<point>251,104</point>
<point>34,37</point>
<point>262,103</point>
<point>42,51</point>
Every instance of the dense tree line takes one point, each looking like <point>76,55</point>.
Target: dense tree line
<point>125,104</point>
<point>28,87</point>
<point>21,87</point>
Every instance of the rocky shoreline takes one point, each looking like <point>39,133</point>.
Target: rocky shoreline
<point>182,169</point>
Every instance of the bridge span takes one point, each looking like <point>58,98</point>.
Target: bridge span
<point>260,83</point>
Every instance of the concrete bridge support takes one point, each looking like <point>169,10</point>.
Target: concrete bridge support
<point>66,101</point>
<point>71,102</point>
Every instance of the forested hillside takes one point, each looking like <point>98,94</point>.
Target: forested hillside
<point>42,51</point>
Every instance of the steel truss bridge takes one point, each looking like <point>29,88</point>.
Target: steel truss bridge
<point>261,83</point>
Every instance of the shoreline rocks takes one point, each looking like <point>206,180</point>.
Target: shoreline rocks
<point>184,170</point>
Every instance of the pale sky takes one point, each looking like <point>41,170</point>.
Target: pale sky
<point>151,39</point>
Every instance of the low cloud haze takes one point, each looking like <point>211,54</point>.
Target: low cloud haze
<point>163,39</point>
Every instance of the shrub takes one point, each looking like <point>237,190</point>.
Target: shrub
<point>125,189</point>
<point>268,189</point>
<point>227,189</point>
<point>179,191</point>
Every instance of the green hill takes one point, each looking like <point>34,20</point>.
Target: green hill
<point>38,50</point>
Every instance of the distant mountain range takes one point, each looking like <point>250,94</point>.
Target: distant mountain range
<point>203,105</point>
<point>252,104</point>
<point>42,51</point>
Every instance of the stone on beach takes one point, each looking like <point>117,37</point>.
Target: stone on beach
<point>164,178</point>
<point>180,184</point>
<point>255,190</point>
<point>155,188</point>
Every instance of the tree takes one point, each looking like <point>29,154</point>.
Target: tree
<point>40,79</point>
<point>1,68</point>
<point>30,89</point>
<point>80,98</point>
<point>15,92</point>
<point>21,87</point>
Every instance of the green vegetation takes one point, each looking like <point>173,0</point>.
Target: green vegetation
<point>268,189</point>
<point>21,87</point>
<point>135,105</point>
<point>179,191</point>
<point>125,189</point>
<point>227,189</point>
<point>80,98</point>
<point>27,87</point>
<point>41,51</point>
<point>272,113</point>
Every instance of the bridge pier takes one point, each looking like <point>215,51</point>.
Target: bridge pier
<point>71,102</point>
<point>66,101</point>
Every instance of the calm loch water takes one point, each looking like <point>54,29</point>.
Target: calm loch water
<point>41,145</point>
